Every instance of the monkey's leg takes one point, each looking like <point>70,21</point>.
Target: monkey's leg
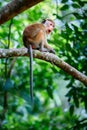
<point>31,72</point>
<point>40,38</point>
<point>36,40</point>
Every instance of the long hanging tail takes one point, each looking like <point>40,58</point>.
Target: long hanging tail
<point>31,72</point>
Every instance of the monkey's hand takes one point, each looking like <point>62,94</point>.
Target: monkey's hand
<point>52,51</point>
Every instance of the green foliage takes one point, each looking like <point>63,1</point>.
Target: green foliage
<point>52,109</point>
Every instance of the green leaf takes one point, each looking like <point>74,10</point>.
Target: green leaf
<point>77,15</point>
<point>24,95</point>
<point>65,7</point>
<point>75,5</point>
<point>71,109</point>
<point>59,17</point>
<point>63,1</point>
<point>50,91</point>
<point>8,85</point>
<point>76,99</point>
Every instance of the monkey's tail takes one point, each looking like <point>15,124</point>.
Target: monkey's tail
<point>31,72</point>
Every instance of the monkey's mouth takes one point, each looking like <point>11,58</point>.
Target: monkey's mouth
<point>49,31</point>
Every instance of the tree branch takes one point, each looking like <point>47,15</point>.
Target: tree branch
<point>15,7</point>
<point>4,53</point>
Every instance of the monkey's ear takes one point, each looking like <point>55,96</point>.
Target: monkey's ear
<point>43,21</point>
<point>47,19</point>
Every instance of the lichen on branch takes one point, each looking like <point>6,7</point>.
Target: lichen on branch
<point>49,57</point>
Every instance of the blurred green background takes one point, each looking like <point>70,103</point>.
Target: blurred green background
<point>60,101</point>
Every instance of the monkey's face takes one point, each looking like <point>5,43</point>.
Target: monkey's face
<point>49,26</point>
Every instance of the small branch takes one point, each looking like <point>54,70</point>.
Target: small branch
<point>15,7</point>
<point>5,101</point>
<point>47,57</point>
<point>11,66</point>
<point>9,33</point>
<point>57,7</point>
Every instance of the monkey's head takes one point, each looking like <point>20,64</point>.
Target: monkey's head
<point>49,24</point>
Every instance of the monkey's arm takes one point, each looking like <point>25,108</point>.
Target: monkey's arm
<point>46,45</point>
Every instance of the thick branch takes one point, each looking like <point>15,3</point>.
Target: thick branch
<point>47,57</point>
<point>15,7</point>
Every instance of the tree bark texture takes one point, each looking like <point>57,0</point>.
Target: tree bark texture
<point>4,53</point>
<point>15,7</point>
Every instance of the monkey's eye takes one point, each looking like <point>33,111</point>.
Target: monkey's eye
<point>51,25</point>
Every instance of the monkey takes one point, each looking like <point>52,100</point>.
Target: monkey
<point>34,37</point>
